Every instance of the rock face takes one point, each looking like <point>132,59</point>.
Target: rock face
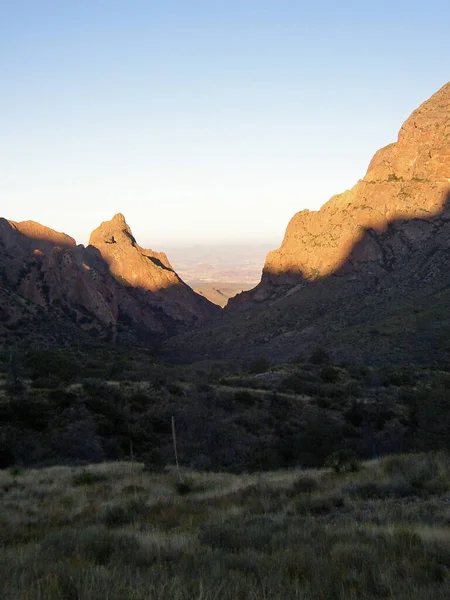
<point>111,285</point>
<point>407,179</point>
<point>136,266</point>
<point>148,271</point>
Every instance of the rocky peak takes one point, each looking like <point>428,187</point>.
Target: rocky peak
<point>422,150</point>
<point>127,261</point>
<point>407,179</point>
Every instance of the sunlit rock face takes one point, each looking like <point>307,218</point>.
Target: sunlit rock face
<point>138,267</point>
<point>409,179</point>
<point>149,271</point>
<point>113,282</point>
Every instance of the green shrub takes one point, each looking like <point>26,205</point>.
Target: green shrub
<point>394,177</point>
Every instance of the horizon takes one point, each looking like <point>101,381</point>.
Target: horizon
<point>204,125</point>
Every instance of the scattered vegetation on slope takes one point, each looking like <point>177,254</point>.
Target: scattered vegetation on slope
<point>75,406</point>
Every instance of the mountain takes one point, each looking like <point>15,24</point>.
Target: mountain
<point>366,276</point>
<point>54,290</point>
<point>407,179</point>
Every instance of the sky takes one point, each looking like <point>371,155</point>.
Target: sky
<point>203,121</point>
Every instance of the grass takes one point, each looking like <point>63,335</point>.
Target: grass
<point>125,533</point>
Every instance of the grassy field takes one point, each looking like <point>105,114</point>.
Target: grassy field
<point>115,531</point>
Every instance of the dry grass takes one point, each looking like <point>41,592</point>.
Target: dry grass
<point>115,531</point>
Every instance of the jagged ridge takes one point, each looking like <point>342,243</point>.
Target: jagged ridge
<point>111,284</point>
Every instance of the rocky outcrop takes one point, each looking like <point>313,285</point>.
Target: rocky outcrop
<point>41,236</point>
<point>409,179</point>
<point>148,271</point>
<point>113,285</point>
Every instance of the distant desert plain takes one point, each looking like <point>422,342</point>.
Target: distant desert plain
<point>220,271</point>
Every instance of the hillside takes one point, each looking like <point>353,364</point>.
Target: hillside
<point>54,291</point>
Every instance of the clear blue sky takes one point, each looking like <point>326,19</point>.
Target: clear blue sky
<point>203,120</point>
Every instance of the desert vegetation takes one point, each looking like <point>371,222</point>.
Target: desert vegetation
<point>87,405</point>
<point>310,479</point>
<point>116,530</point>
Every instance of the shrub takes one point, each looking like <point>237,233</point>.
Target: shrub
<point>118,514</point>
<point>329,374</point>
<point>245,398</point>
<point>394,177</point>
<point>342,460</point>
<point>185,486</point>
<point>15,470</point>
<point>319,356</point>
<point>259,365</point>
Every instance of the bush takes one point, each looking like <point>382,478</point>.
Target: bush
<point>319,356</point>
<point>343,460</point>
<point>245,398</point>
<point>116,515</point>
<point>259,365</point>
<point>186,486</point>
<point>15,471</point>
<point>329,374</point>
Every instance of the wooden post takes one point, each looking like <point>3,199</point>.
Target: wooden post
<point>174,437</point>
